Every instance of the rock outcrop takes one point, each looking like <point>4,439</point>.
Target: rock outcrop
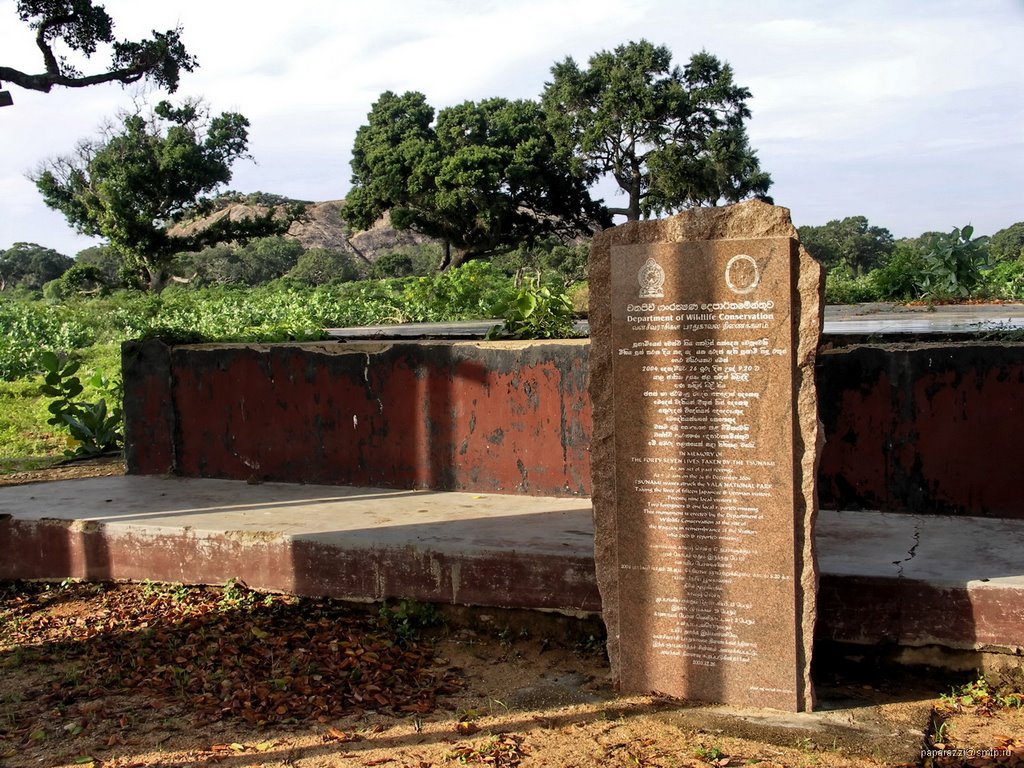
<point>321,227</point>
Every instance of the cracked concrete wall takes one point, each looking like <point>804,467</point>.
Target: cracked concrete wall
<point>918,428</point>
<point>923,428</point>
<point>500,417</point>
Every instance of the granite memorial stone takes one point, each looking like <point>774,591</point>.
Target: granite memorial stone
<point>704,328</point>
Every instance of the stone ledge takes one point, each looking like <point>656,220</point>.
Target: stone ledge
<point>885,578</point>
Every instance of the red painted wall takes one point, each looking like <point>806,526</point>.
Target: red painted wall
<point>495,418</point>
<point>923,428</point>
<point>918,428</point>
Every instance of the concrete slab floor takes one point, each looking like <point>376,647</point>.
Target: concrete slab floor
<point>891,732</point>
<point>903,579</point>
<point>940,550</point>
<point>457,522</point>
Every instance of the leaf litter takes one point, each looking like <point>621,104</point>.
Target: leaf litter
<point>146,675</point>
<point>220,653</point>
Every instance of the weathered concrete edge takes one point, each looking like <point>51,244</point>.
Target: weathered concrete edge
<point>300,564</point>
<point>856,609</point>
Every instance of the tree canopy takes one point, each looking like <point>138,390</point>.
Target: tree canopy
<point>1008,243</point>
<point>82,27</point>
<point>852,242</point>
<point>485,177</point>
<point>138,178</point>
<point>671,138</point>
<point>29,265</point>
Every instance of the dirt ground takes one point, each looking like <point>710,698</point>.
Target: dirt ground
<point>134,675</point>
<point>101,467</point>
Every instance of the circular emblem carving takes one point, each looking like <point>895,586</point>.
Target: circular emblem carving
<point>652,280</point>
<point>742,274</point>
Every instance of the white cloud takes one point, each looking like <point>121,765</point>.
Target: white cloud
<point>910,109</point>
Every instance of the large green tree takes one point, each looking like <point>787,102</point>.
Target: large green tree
<point>1007,244</point>
<point>111,265</point>
<point>80,27</point>
<point>671,138</point>
<point>852,242</point>
<point>139,178</point>
<point>486,177</point>
<point>29,265</point>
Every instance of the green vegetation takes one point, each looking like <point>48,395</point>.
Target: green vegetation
<point>86,331</point>
<point>30,266</point>
<point>983,696</point>
<point>81,27</point>
<point>135,181</point>
<point>406,620</point>
<point>851,244</point>
<point>94,427</point>
<point>864,263</point>
<point>535,312</point>
<point>670,138</point>
<point>484,178</point>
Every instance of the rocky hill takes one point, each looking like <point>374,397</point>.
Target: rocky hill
<point>321,227</point>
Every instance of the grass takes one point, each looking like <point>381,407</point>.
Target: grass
<point>26,440</point>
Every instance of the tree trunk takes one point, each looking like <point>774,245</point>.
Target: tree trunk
<point>632,187</point>
<point>446,257</point>
<point>157,279</point>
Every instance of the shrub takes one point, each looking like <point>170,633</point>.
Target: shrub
<point>324,265</point>
<point>898,279</point>
<point>953,268</point>
<point>392,264</point>
<point>841,287</point>
<point>79,280</point>
<point>534,312</point>
<point>1005,280</point>
<point>95,427</point>
<point>32,326</point>
<point>408,261</point>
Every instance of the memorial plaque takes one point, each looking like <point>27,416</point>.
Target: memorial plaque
<point>704,514</point>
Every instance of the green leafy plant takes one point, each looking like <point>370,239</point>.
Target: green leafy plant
<point>407,619</point>
<point>711,754</point>
<point>95,427</point>
<point>843,287</point>
<point>534,312</point>
<point>980,696</point>
<point>955,265</point>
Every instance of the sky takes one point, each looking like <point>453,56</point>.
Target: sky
<point>908,112</point>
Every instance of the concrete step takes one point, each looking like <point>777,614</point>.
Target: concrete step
<point>885,578</point>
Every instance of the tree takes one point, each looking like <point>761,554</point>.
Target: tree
<point>406,261</point>
<point>82,27</point>
<point>318,266</point>
<point>28,265</point>
<point>268,258</point>
<point>670,138</point>
<point>1007,244</point>
<point>258,261</point>
<point>111,264</point>
<point>852,242</point>
<point>135,181</point>
<point>80,280</point>
<point>486,177</point>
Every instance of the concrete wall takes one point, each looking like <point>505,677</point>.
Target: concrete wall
<point>925,428</point>
<point>509,417</point>
<point>919,428</point>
